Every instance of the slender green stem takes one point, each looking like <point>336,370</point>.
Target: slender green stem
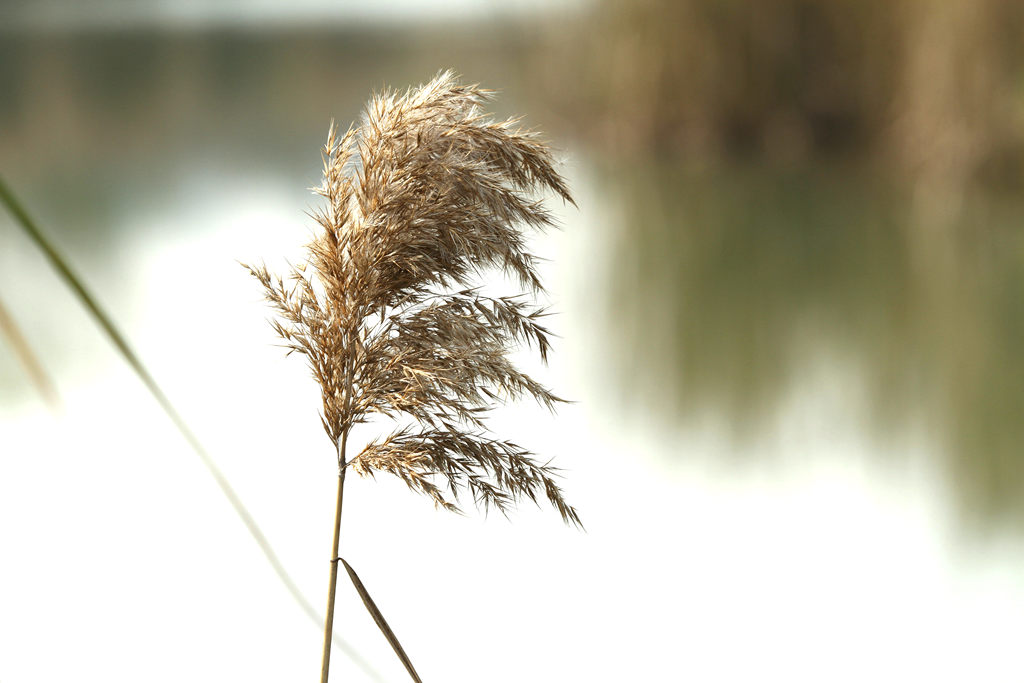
<point>332,589</point>
<point>71,279</point>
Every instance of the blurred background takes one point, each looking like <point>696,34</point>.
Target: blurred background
<point>791,308</point>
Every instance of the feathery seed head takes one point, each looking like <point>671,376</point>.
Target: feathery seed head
<point>426,194</point>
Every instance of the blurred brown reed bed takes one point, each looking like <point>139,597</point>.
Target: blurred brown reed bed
<point>929,91</point>
<point>116,98</point>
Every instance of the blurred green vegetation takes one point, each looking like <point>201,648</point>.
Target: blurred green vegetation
<point>731,288</point>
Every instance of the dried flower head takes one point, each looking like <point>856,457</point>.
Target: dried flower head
<point>421,199</point>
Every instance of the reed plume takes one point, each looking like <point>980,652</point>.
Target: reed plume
<point>421,199</point>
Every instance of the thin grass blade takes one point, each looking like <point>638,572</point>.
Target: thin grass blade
<point>71,279</point>
<point>381,623</point>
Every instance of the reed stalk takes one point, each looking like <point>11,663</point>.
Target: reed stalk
<point>424,196</point>
<point>333,585</point>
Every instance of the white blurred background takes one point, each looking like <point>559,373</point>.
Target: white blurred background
<point>795,443</point>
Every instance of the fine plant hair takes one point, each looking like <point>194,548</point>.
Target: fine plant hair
<point>427,195</point>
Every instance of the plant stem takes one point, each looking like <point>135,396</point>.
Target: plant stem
<point>331,591</point>
<point>106,323</point>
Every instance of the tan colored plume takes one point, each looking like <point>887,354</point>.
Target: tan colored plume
<point>424,197</point>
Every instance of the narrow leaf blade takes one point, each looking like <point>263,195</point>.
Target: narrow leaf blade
<point>371,607</point>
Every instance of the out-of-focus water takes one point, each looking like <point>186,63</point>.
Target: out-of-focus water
<point>734,289</point>
<point>796,444</point>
